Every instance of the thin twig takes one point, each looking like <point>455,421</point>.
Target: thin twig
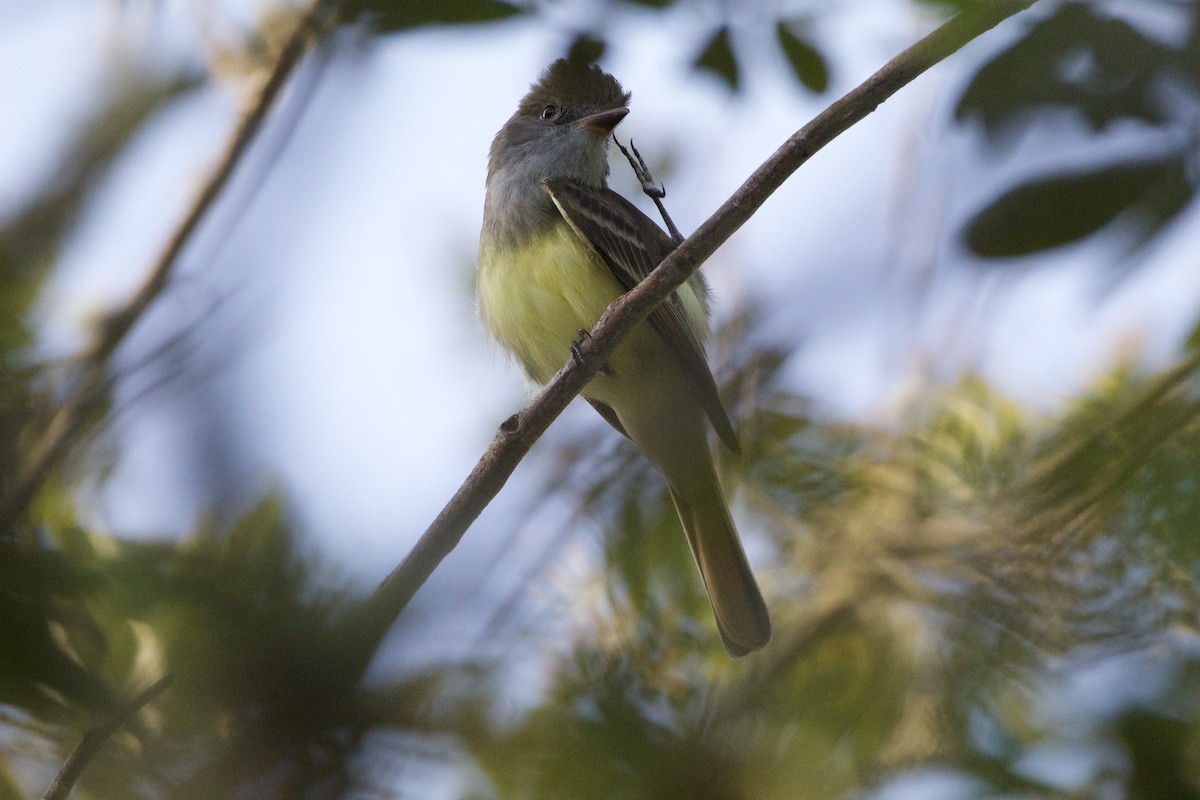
<point>72,416</point>
<point>518,433</point>
<point>92,740</point>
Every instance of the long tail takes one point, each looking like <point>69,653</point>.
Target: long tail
<point>736,600</point>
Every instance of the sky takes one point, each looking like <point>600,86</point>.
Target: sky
<point>341,351</point>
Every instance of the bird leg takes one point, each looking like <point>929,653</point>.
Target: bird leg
<point>655,191</point>
<point>578,356</point>
<point>575,345</point>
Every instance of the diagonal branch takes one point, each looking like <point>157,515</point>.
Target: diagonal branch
<point>91,742</point>
<point>518,433</point>
<point>93,383</point>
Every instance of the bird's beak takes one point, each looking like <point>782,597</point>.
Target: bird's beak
<point>602,122</point>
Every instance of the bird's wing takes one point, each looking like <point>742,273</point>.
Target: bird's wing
<point>632,246</point>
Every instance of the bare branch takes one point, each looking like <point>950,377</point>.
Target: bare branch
<point>92,740</point>
<point>92,384</point>
<point>518,433</point>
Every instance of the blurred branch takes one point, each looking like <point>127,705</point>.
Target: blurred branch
<point>92,740</point>
<point>92,384</point>
<point>518,433</point>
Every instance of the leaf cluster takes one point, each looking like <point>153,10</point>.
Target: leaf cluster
<point>1114,75</point>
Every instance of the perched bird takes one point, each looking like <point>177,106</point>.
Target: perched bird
<point>557,247</point>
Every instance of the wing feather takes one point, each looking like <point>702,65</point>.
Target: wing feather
<point>631,245</point>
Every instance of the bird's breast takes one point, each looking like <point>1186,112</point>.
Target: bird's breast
<point>536,296</point>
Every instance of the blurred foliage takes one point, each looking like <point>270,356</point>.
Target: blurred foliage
<point>930,592</point>
<point>717,58</point>
<point>1061,209</point>
<point>937,587</point>
<point>267,698</point>
<point>717,55</point>
<point>50,640</point>
<point>392,16</point>
<point>806,60</point>
<point>30,239</point>
<point>1119,76</point>
<point>802,53</point>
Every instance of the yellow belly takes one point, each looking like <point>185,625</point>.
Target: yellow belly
<point>536,300</point>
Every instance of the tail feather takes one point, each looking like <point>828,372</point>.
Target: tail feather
<point>737,603</point>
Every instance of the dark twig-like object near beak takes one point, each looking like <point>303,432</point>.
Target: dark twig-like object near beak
<point>654,190</point>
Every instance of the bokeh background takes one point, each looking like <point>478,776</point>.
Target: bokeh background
<point>959,345</point>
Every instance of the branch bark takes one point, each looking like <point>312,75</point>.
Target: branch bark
<point>518,433</point>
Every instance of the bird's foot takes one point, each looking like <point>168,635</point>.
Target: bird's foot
<point>650,186</point>
<point>575,345</point>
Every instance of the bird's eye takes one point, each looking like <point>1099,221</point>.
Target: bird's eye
<point>550,112</point>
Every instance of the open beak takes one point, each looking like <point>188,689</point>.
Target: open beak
<point>602,122</point>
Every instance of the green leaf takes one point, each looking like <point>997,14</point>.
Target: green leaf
<point>389,16</point>
<point>585,49</point>
<point>806,61</point>
<point>1061,209</point>
<point>949,8</point>
<point>43,626</point>
<point>718,59</point>
<point>1076,59</point>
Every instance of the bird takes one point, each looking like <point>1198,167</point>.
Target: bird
<point>556,247</point>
